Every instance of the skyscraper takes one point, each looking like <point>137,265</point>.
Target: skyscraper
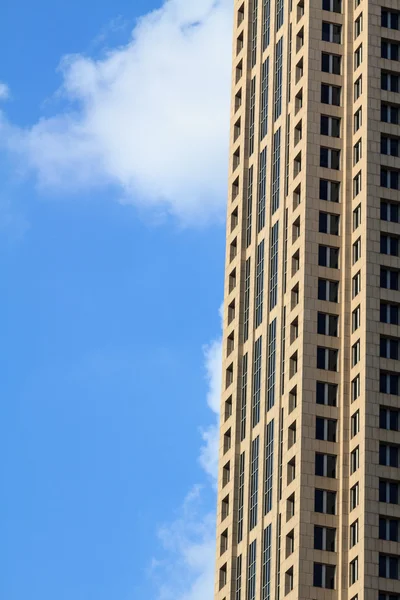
<point>309,475</point>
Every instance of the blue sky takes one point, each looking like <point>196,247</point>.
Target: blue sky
<point>113,138</point>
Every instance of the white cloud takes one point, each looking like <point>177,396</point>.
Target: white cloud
<point>150,118</point>
<point>187,572</point>
<point>4,91</point>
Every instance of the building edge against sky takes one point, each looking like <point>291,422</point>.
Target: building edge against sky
<point>308,489</point>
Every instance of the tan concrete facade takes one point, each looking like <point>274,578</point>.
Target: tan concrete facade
<point>309,479</point>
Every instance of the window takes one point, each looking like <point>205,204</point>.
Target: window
<point>389,418</point>
<point>238,586</point>
<point>331,63</point>
<point>388,566</point>
<point>266,26</point>
<point>389,145</point>
<point>328,290</point>
<point>357,119</point>
<point>262,186</point>
<point>253,503</point>
<point>266,566</point>
<point>279,14</point>
<point>329,190</point>
<point>354,570</point>
<point>389,383</point>
<point>390,18</point>
<point>358,26</point>
<point>292,434</point>
<point>292,399</point>
<point>276,170</point>
<point>325,465</point>
<point>325,429</point>
<point>388,529</point>
<point>291,470</point>
<point>271,364</point>
<point>389,313</point>
<point>356,249</point>
<point>259,284</point>
<point>388,491</point>
<point>289,580</point>
<point>253,35</point>
<point>358,57</point>
<point>356,217</point>
<point>389,81</point>
<point>224,542</point>
<point>355,388</point>
<point>327,324</point>
<point>257,358</point>
<point>273,283</point>
<point>330,126</point>
<point>389,113</point>
<point>355,423</point>
<point>326,393</point>
<point>249,209</point>
<point>354,534</point>
<point>356,284</point>
<point>389,50</point>
<point>357,184</point>
<point>327,359</point>
<point>324,538</point>
<point>328,256</point>
<point>226,474</point>
<point>389,211</point>
<point>251,571</point>
<point>389,347</point>
<point>332,5</point>
<point>355,353</point>
<point>330,94</point>
<point>329,223</point>
<point>324,576</point>
<point>222,576</point>
<point>252,105</point>
<point>356,319</point>
<point>388,455</point>
<point>389,279</point>
<point>329,158</point>
<point>241,497</point>
<point>331,32</point>
<point>357,152</point>
<point>354,496</point>
<point>264,99</point>
<point>390,179</point>
<point>290,543</point>
<point>357,88</point>
<point>325,502</point>
<point>290,507</point>
<point>269,464</point>
<point>355,460</point>
<point>225,508</point>
<point>278,78</point>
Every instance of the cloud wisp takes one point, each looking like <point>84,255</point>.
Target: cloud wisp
<point>149,119</point>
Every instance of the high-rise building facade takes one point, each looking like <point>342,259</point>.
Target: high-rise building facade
<point>309,472</point>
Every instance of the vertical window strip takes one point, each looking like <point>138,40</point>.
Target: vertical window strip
<point>253,504</point>
<point>238,591</point>
<point>241,497</point>
<point>285,251</point>
<point>280,454</point>
<point>269,466</point>
<point>287,155</point>
<point>252,112</point>
<point>243,407</point>
<point>264,98</point>
<point>256,381</point>
<point>289,68</point>
<point>276,168</point>
<point>278,79</point>
<point>266,568</point>
<point>262,187</point>
<point>266,23</point>
<point>279,14</point>
<point>271,365</point>
<point>283,351</point>
<point>259,284</point>
<point>246,308</point>
<point>251,573</point>
<point>278,559</point>
<point>254,33</point>
<point>249,210</point>
<point>273,283</point>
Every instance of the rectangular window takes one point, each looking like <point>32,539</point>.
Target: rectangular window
<point>326,393</point>
<point>276,171</point>
<point>331,32</point>
<point>389,347</point>
<point>355,353</point>
<point>355,423</point>
<point>328,290</point>
<point>356,284</point>
<point>358,26</point>
<point>238,587</point>
<point>357,120</point>
<point>266,23</point>
<point>266,569</point>
<point>357,152</point>
<point>252,107</point>
<point>389,178</point>
<point>328,256</point>
<point>388,529</point>
<point>354,496</point>
<point>259,284</point>
<point>390,18</point>
<point>264,99</point>
<point>389,279</point>
<point>329,190</point>
<point>358,57</point>
<point>389,211</point>
<point>253,502</point>
<point>355,460</point>
<point>269,466</point>
<point>251,571</point>
<point>273,283</point>
<point>262,186</point>
<point>356,217</point>
<point>325,429</point>
<point>246,304</point>
<point>355,388</point>
<point>389,145</point>
<point>389,313</point>
<point>390,81</point>
<point>389,418</point>
<point>271,365</point>
<point>249,205</point>
<point>353,571</point>
<point>243,399</point>
<point>327,359</point>
<point>332,5</point>
<point>327,324</point>
<point>331,63</point>
<point>389,50</point>
<point>325,502</point>
<point>356,319</point>
<point>330,94</point>
<point>388,491</point>
<point>388,566</point>
<point>354,533</point>
<point>324,576</point>
<point>389,383</point>
<point>254,15</point>
<point>330,126</point>
<point>390,113</point>
<point>279,14</point>
<point>324,538</point>
<point>388,455</point>
<point>358,88</point>
<point>389,244</point>
<point>256,381</point>
<point>329,223</point>
<point>357,184</point>
<point>325,465</point>
<point>329,158</point>
<point>241,497</point>
<point>278,79</point>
